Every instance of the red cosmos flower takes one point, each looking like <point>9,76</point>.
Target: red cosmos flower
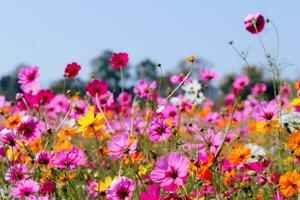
<point>72,70</point>
<point>45,96</point>
<point>98,87</point>
<point>255,23</point>
<point>119,60</point>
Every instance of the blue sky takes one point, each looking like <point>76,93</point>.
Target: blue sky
<point>53,33</point>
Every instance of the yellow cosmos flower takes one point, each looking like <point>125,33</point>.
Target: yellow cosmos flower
<point>104,185</point>
<point>90,123</point>
<point>267,127</point>
<point>191,59</point>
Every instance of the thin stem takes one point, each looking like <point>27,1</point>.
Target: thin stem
<point>100,109</point>
<point>227,129</point>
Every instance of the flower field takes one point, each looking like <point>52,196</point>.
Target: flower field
<point>141,144</point>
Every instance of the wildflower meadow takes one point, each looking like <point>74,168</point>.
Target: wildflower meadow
<point>144,144</point>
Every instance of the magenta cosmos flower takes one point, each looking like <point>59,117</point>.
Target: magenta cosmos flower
<point>171,172</point>
<point>69,159</point>
<point>16,173</point>
<point>266,111</point>
<point>152,194</point>
<point>258,89</point>
<point>25,188</point>
<point>44,158</point>
<point>210,140</point>
<point>124,99</point>
<point>159,131</point>
<point>120,145</point>
<point>29,129</point>
<point>8,137</point>
<point>119,60</point>
<point>97,87</point>
<point>207,75</point>
<point>121,189</point>
<point>255,23</point>
<point>72,70</point>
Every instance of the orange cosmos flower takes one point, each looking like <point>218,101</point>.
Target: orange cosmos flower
<point>293,143</point>
<point>297,85</point>
<point>191,59</point>
<point>239,154</point>
<point>13,121</point>
<point>289,183</point>
<point>267,127</point>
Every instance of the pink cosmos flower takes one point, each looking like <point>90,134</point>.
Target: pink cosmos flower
<point>179,78</point>
<point>255,23</point>
<point>79,108</point>
<point>124,99</point>
<point>258,89</point>
<point>106,101</point>
<point>91,185</point>
<point>69,159</point>
<point>266,111</point>
<point>241,82</point>
<point>211,141</point>
<point>25,188</point>
<point>119,60</point>
<point>26,101</point>
<point>171,172</point>
<point>28,78</point>
<point>72,70</point>
<point>120,145</point>
<point>207,75</point>
<point>229,99</point>
<point>96,87</point>
<point>152,194</point>
<point>159,130</point>
<point>8,137</point>
<point>145,90</point>
<point>16,173</point>
<point>28,75</point>
<point>121,189</point>
<point>44,158</point>
<point>59,104</point>
<point>29,128</point>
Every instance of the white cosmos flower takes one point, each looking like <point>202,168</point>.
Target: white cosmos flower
<point>192,87</point>
<point>257,152</point>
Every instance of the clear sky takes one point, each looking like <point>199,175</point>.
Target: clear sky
<point>53,33</point>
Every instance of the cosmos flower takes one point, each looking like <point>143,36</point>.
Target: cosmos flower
<point>254,23</point>
<point>25,188</point>
<point>44,158</point>
<point>48,187</point>
<point>121,145</point>
<point>28,75</point>
<point>171,172</point>
<point>289,183</point>
<point>119,60</point>
<point>258,89</point>
<point>72,70</point>
<point>121,189</point>
<point>207,75</point>
<point>16,173</point>
<point>45,96</point>
<point>97,87</point>
<point>240,83</point>
<point>146,90</point>
<point>193,93</point>
<point>266,111</point>
<point>293,143</point>
<point>159,130</point>
<point>124,99</point>
<point>69,159</point>
<point>91,123</point>
<point>211,141</point>
<point>152,194</point>
<point>29,129</point>
<point>8,137</point>
<point>239,154</point>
